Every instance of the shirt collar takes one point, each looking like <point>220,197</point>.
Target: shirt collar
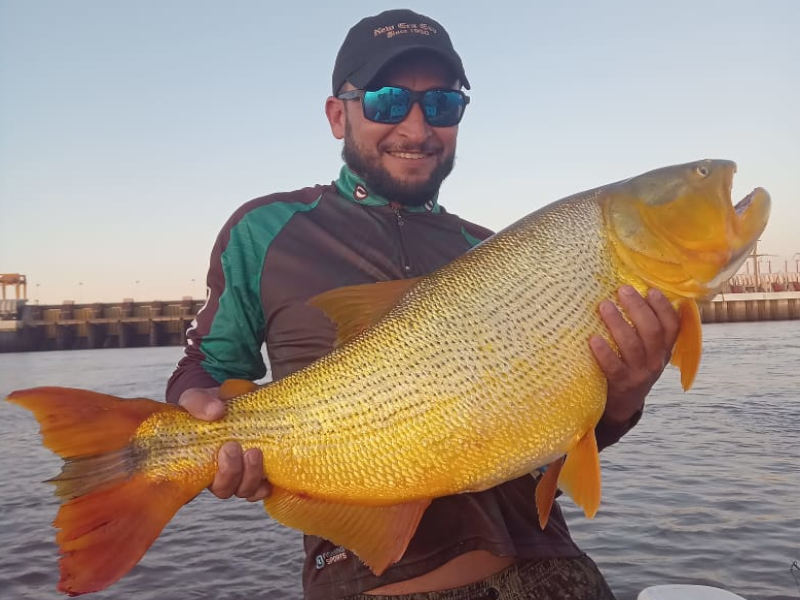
<point>354,188</point>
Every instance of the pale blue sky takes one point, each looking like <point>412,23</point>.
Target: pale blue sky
<point>130,131</point>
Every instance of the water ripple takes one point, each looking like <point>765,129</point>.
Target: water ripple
<point>705,490</point>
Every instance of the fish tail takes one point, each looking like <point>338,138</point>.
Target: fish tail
<point>112,510</point>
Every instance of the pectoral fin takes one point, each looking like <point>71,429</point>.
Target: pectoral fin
<point>580,476</point>
<point>689,345</point>
<point>355,308</point>
<point>378,535</point>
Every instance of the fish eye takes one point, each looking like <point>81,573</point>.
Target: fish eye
<point>702,171</point>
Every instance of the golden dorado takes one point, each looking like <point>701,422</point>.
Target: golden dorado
<point>473,375</point>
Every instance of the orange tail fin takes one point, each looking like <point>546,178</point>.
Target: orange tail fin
<point>112,511</point>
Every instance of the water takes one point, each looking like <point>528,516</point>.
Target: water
<point>705,490</point>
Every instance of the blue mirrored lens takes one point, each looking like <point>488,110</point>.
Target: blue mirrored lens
<point>390,105</point>
<point>386,105</point>
<point>443,108</point>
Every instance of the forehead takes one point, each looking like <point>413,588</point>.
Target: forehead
<point>417,70</point>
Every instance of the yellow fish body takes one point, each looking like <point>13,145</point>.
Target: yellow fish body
<point>454,382</point>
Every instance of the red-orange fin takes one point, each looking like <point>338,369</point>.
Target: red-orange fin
<point>104,534</point>
<point>378,535</point>
<point>111,511</point>
<point>580,476</point>
<point>236,387</point>
<point>546,491</point>
<point>689,345</point>
<point>355,308</point>
<point>77,422</point>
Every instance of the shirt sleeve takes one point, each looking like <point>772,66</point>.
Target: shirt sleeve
<point>225,339</point>
<point>608,435</point>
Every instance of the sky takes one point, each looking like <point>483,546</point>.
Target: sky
<point>130,131</point>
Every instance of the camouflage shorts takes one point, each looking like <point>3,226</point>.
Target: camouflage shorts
<point>545,579</point>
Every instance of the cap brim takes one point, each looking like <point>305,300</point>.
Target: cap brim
<point>369,71</point>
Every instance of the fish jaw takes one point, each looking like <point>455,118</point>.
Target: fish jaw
<point>676,229</point>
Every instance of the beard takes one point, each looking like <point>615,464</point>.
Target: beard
<point>382,183</point>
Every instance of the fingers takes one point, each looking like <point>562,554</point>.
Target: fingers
<point>668,317</point>
<point>643,344</point>
<point>239,474</point>
<point>610,363</point>
<point>631,347</point>
<point>647,341</point>
<point>203,403</point>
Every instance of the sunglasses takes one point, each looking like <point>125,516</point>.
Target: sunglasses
<point>389,105</point>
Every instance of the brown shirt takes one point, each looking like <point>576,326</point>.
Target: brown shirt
<point>275,253</point>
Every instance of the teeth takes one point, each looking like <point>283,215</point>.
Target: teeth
<point>411,155</point>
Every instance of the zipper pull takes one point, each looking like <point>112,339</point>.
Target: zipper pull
<point>396,208</point>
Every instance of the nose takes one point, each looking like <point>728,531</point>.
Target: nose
<point>414,127</point>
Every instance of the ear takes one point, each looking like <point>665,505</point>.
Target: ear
<point>334,110</point>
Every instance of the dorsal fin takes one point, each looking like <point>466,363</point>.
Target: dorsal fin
<point>689,345</point>
<point>356,307</point>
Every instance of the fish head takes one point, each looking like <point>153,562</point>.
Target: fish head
<point>677,229</point>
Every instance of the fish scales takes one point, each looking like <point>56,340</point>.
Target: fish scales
<point>418,407</point>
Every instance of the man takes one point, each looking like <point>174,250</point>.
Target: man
<point>396,103</point>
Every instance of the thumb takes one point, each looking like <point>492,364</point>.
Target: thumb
<point>203,403</point>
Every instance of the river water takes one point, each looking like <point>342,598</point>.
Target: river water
<point>705,490</point>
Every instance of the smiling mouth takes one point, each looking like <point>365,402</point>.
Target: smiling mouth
<point>410,155</point>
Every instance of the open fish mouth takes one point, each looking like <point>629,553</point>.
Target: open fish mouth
<point>745,202</point>
<point>752,213</point>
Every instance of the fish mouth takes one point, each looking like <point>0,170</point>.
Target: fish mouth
<point>745,202</point>
<point>751,215</point>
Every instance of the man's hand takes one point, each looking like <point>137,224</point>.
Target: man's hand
<point>238,474</point>
<point>644,349</point>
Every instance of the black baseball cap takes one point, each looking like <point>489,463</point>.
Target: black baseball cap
<point>375,41</point>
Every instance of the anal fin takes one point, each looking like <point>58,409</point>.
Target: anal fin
<point>546,490</point>
<point>378,535</point>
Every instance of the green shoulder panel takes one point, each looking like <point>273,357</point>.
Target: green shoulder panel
<point>232,347</point>
<point>473,241</point>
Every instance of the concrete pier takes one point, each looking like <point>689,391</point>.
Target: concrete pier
<point>69,326</point>
<point>752,306</point>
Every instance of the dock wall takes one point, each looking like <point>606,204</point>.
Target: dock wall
<point>70,326</point>
<point>754,306</point>
<point>129,324</point>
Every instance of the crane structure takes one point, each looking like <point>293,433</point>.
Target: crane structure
<point>19,282</point>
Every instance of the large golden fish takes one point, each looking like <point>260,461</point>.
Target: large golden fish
<point>454,382</point>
